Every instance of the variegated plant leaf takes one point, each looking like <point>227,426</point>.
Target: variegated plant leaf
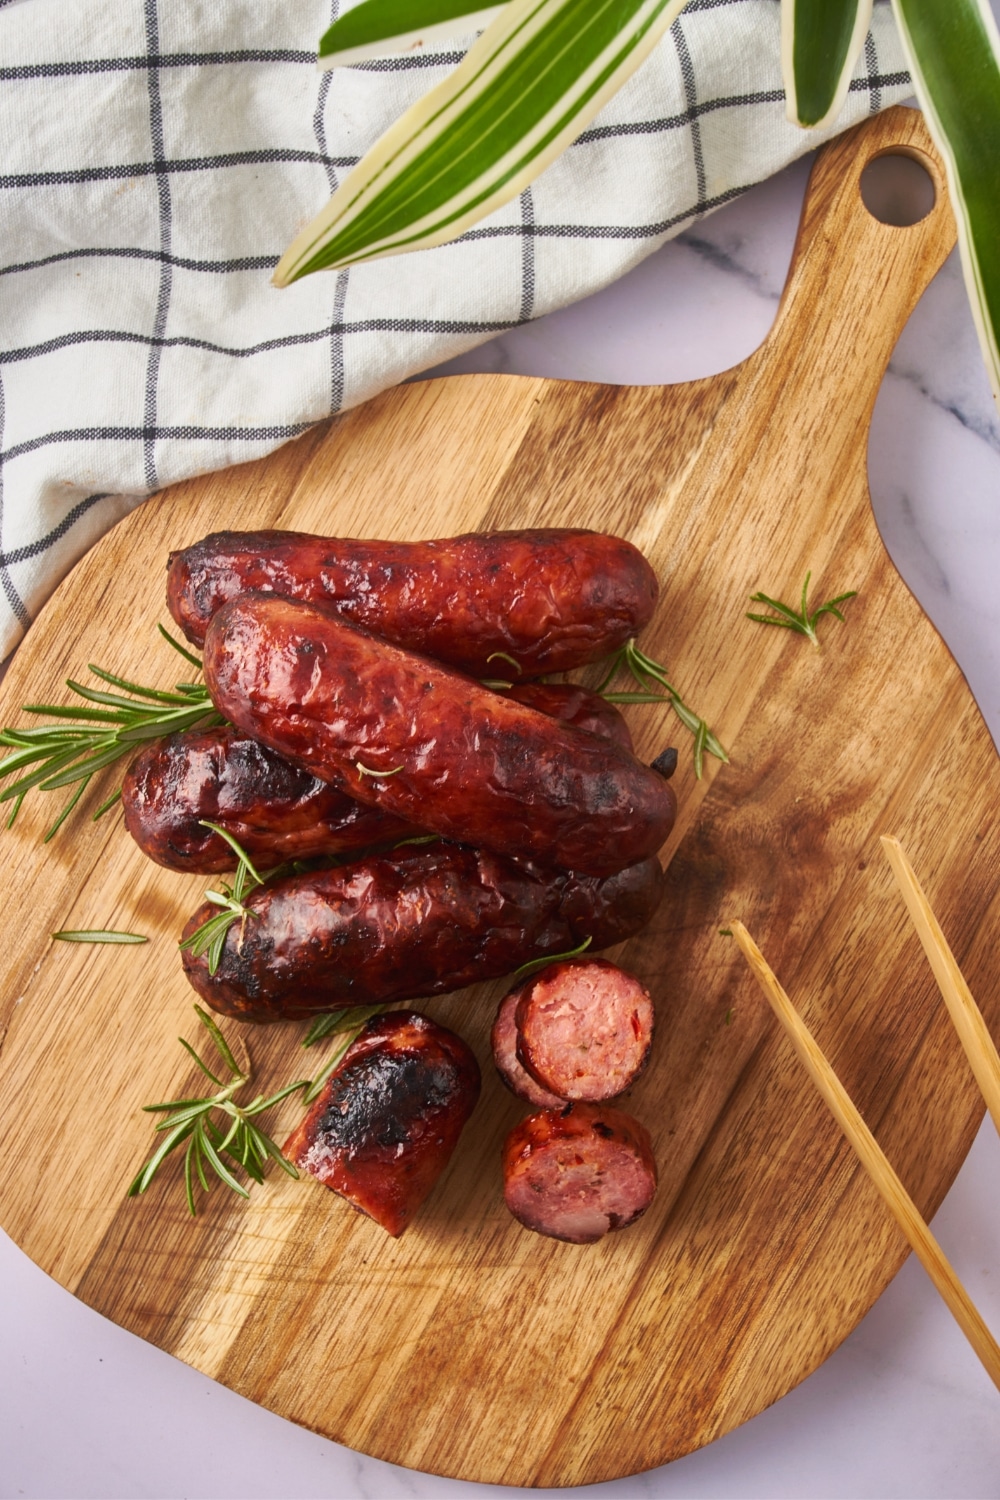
<point>526,89</point>
<point>821,41</point>
<point>954,53</point>
<point>379,28</point>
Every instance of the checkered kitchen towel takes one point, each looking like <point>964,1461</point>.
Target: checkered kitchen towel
<point>156,156</point>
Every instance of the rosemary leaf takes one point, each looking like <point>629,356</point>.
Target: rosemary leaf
<point>800,620</point>
<point>534,964</point>
<point>99,935</point>
<point>181,650</point>
<point>645,672</point>
<point>89,736</point>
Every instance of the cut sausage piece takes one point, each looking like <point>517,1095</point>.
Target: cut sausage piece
<point>503,1039</point>
<point>389,1117</point>
<point>400,732</point>
<point>584,1028</point>
<point>415,922</point>
<point>550,598</point>
<point>577,1172</point>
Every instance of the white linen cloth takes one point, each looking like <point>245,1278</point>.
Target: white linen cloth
<point>156,157</point>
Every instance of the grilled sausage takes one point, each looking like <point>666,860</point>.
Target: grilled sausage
<point>503,1040</point>
<point>552,599</point>
<point>577,1172</point>
<point>574,705</point>
<point>419,921</point>
<point>584,1028</point>
<point>275,810</point>
<point>402,733</point>
<point>383,1129</point>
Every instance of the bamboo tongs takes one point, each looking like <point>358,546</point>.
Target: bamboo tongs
<point>983,1058</point>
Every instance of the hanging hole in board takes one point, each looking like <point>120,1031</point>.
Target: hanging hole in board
<point>897,189</point>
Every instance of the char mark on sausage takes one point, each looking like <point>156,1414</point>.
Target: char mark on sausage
<point>389,1117</point>
<point>416,922</point>
<point>552,599</point>
<point>274,810</point>
<point>577,1172</point>
<point>431,746</point>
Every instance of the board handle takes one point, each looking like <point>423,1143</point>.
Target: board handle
<point>853,280</point>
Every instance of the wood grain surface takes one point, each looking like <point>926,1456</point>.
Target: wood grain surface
<point>471,1347</point>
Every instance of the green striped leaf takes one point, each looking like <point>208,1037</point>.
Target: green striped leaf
<point>954,55</point>
<point>526,89</point>
<point>821,41</point>
<point>377,28</point>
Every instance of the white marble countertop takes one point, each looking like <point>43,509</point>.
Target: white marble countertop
<point>903,1407</point>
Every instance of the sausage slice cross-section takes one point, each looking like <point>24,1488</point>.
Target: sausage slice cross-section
<point>577,1172</point>
<point>503,1039</point>
<point>584,1028</point>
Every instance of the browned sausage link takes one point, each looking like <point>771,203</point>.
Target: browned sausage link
<point>274,810</point>
<point>383,1129</point>
<point>551,599</point>
<point>503,1040</point>
<point>405,734</point>
<point>416,922</point>
<point>577,1172</point>
<point>574,705</point>
<point>584,1028</point>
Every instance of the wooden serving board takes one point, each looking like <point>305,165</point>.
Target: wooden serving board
<point>470,1347</point>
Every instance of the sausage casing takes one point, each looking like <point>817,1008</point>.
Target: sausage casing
<point>405,734</point>
<point>552,599</point>
<point>276,811</point>
<point>389,1117</point>
<point>577,1172</point>
<point>416,922</point>
<point>503,1041</point>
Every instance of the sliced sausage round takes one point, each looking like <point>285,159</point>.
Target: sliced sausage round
<point>577,1172</point>
<point>503,1039</point>
<point>389,1117</point>
<point>583,1027</point>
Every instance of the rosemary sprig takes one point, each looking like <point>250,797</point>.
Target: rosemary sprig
<point>69,754</point>
<point>645,671</point>
<point>99,935</point>
<point>345,1025</point>
<point>799,620</point>
<point>550,958</point>
<point>236,1142</point>
<point>211,935</point>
